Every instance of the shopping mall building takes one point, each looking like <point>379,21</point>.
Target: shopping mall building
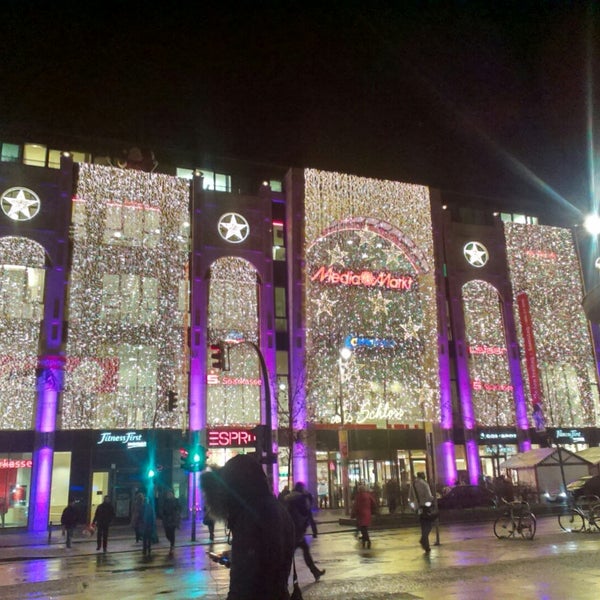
<point>399,329</point>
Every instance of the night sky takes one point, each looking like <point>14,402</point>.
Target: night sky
<point>493,98</point>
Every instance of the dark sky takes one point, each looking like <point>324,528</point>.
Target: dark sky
<point>486,97</point>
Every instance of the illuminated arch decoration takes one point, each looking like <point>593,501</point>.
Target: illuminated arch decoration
<point>233,397</point>
<point>21,309</point>
<point>367,278</point>
<point>490,383</point>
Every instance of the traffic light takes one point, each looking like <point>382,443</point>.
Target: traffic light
<point>150,473</point>
<point>219,356</point>
<point>183,457</point>
<point>197,459</point>
<point>172,400</point>
<point>193,459</point>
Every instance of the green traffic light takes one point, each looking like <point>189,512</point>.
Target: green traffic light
<point>151,473</point>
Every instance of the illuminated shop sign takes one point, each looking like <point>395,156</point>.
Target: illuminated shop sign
<point>496,436</point>
<point>16,463</point>
<point>478,385</point>
<point>226,438</point>
<point>353,342</point>
<point>214,379</point>
<point>366,278</point>
<point>486,350</point>
<point>130,439</point>
<point>570,436</point>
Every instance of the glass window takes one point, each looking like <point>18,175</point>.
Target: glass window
<point>275,185</point>
<point>280,310</point>
<point>15,479</point>
<point>129,298</point>
<point>10,153</point>
<point>184,173</point>
<point>54,159</point>
<point>35,155</point>
<point>132,225</point>
<point>278,241</point>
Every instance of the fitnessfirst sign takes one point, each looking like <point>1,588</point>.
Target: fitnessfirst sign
<point>130,439</point>
<point>366,278</point>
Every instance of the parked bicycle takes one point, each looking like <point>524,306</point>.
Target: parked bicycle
<point>582,514</point>
<point>517,518</point>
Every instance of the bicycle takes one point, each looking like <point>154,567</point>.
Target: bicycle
<point>583,514</point>
<point>517,518</point>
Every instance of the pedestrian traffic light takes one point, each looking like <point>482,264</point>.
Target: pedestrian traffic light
<point>150,473</point>
<point>219,356</point>
<point>193,459</point>
<point>183,457</point>
<point>197,459</point>
<point>172,400</point>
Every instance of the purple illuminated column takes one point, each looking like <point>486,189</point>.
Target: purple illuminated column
<point>49,384</point>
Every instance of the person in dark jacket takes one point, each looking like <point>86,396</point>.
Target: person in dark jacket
<point>148,525</point>
<point>262,532</point>
<point>171,518</point>
<point>299,505</point>
<point>69,520</point>
<point>103,517</point>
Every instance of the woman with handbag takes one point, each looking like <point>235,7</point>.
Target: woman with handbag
<point>421,499</point>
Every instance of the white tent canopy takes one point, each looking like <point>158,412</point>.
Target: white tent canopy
<point>547,470</point>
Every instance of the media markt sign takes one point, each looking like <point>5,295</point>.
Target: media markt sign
<point>130,439</point>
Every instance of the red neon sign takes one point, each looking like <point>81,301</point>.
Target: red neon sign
<point>486,350</point>
<point>478,385</point>
<point>366,278</point>
<point>225,438</point>
<point>10,463</point>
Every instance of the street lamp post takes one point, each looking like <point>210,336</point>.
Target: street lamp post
<point>345,354</point>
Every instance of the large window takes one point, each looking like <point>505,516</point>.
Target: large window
<point>132,225</point>
<point>129,298</point>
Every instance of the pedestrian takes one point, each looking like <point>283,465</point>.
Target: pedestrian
<point>3,509</point>
<point>284,492</point>
<point>103,517</point>
<point>69,520</point>
<point>392,495</point>
<point>420,497</point>
<point>363,508</point>
<point>137,516</point>
<point>322,492</point>
<point>171,518</point>
<point>207,519</point>
<point>262,532</point>
<point>148,526</point>
<point>298,503</point>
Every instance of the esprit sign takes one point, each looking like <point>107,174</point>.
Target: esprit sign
<point>131,439</point>
<point>226,438</point>
<point>18,463</point>
<point>365,278</point>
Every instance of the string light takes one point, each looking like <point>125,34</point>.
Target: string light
<point>372,226</point>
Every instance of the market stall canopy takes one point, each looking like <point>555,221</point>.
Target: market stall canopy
<point>591,454</point>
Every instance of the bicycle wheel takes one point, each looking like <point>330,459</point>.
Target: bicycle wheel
<point>571,521</point>
<point>503,527</point>
<point>594,517</point>
<point>527,526</point>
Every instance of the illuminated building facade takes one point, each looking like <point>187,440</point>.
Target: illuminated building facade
<point>397,335</point>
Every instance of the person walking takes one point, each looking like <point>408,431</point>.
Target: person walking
<point>148,525</point>
<point>362,510</point>
<point>208,521</point>
<point>103,517</point>
<point>298,503</point>
<point>262,532</point>
<point>69,520</point>
<point>420,497</point>
<point>171,518</point>
<point>137,516</point>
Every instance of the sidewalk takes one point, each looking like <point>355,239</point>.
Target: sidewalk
<point>18,545</point>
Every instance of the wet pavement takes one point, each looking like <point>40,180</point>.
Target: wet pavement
<point>468,564</point>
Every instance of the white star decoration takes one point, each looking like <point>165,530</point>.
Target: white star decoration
<point>233,228</point>
<point>476,254</point>
<point>20,204</point>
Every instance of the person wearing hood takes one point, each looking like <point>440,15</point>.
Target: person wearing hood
<point>262,532</point>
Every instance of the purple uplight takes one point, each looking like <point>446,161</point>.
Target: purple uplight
<point>473,461</point>
<point>450,473</point>
<point>42,458</point>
